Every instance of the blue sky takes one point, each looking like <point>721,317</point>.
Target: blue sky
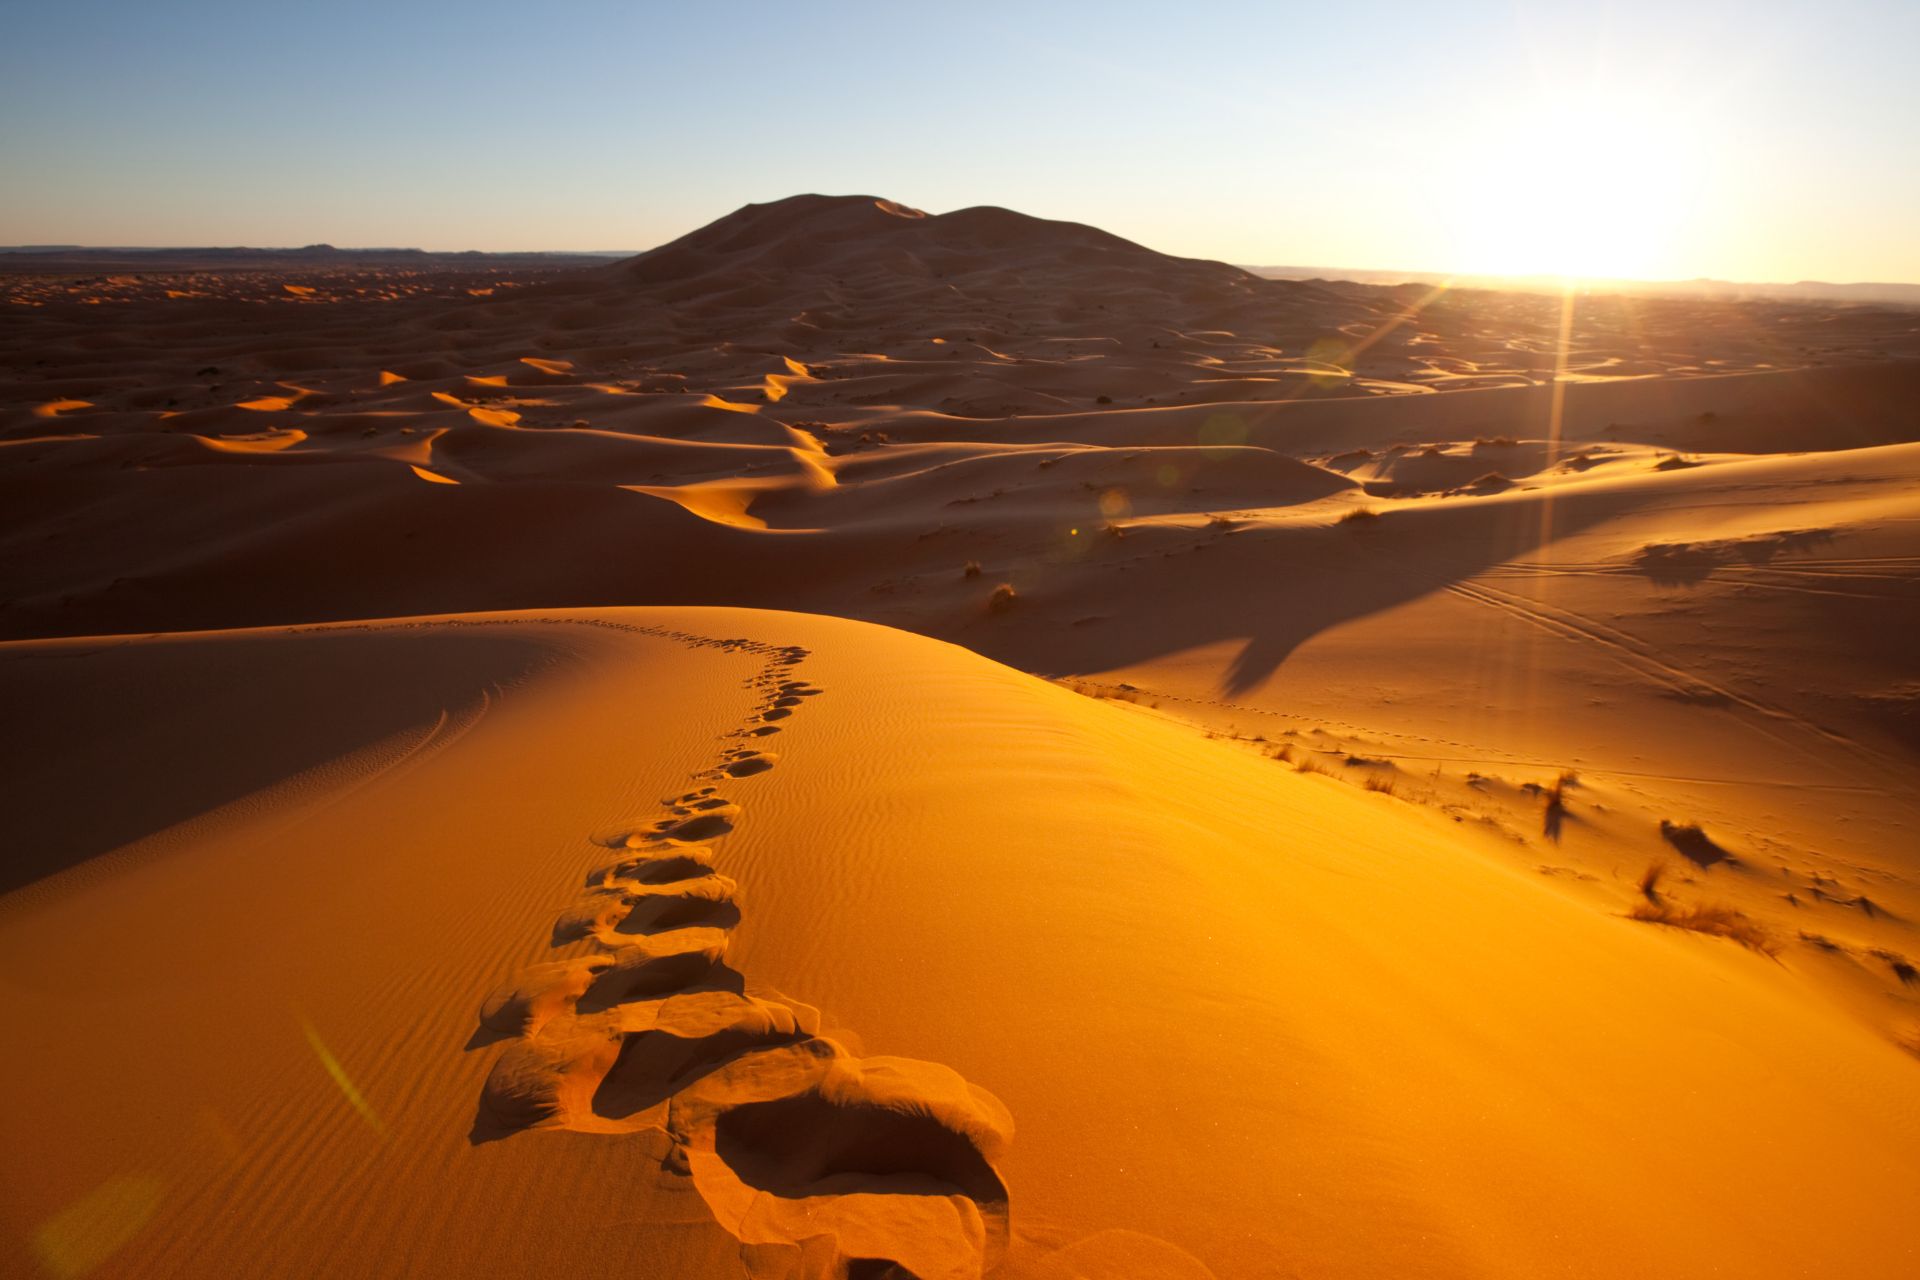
<point>1764,140</point>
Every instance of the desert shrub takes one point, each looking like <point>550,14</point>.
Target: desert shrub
<point>971,570</point>
<point>1002,599</point>
<point>1358,514</point>
<point>1716,921</point>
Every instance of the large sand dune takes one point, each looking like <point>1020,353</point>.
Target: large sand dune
<point>1462,824</point>
<point>1274,1022</point>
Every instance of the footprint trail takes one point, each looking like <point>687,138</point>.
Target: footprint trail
<point>820,1163</point>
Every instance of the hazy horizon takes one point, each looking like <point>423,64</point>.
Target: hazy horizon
<point>1760,143</point>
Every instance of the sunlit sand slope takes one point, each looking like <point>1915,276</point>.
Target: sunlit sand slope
<point>718,942</point>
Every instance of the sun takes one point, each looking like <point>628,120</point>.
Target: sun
<point>1582,184</point>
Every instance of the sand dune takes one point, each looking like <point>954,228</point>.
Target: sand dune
<point>490,791</point>
<point>1235,966</point>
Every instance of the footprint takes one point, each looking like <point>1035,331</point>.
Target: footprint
<point>889,1160</point>
<point>654,965</point>
<point>542,1078</point>
<point>538,995</point>
<point>685,1037</point>
<point>708,903</point>
<point>680,862</point>
<point>748,765</point>
<point>638,908</point>
<point>703,826</point>
<point>700,806</point>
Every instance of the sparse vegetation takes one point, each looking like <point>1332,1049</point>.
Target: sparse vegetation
<point>1359,514</point>
<point>1380,783</point>
<point>1002,599</point>
<point>971,569</point>
<point>1717,921</point>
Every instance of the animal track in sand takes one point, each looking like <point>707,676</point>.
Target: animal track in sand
<point>820,1163</point>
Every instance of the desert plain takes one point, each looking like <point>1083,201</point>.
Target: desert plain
<point>865,743</point>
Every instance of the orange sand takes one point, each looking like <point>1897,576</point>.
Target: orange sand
<point>1428,802</point>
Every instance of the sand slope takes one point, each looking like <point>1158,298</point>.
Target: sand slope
<point>1229,1006</point>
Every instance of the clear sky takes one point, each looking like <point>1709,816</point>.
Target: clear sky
<point>1762,140</point>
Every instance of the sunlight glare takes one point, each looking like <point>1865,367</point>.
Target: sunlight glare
<point>1594,183</point>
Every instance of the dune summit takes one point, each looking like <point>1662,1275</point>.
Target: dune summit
<point>861,742</point>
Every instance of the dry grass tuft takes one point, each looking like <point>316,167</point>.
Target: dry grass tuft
<point>1377,783</point>
<point>1719,922</point>
<point>1359,514</point>
<point>1002,599</point>
<point>971,569</point>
